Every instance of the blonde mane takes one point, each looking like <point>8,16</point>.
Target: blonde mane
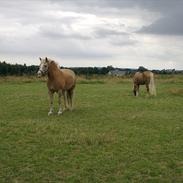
<point>54,62</point>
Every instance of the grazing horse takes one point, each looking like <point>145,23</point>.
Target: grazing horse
<point>62,81</point>
<point>144,78</point>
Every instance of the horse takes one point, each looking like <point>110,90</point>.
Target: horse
<point>61,81</point>
<point>144,78</point>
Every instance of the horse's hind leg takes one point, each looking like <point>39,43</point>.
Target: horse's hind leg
<point>147,88</point>
<point>65,99</point>
<point>71,94</point>
<point>51,102</point>
<point>59,102</point>
<point>136,90</point>
<point>68,99</point>
<point>137,94</point>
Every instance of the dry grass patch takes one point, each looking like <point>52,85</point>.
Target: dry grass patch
<point>176,91</point>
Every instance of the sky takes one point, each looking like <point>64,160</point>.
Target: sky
<point>80,33</point>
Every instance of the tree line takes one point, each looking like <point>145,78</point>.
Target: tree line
<point>17,69</point>
<point>7,69</point>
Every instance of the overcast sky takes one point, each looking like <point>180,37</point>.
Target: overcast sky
<point>121,33</point>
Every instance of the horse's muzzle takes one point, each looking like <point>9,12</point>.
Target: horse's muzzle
<point>39,74</point>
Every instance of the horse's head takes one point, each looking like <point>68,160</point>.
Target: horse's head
<point>43,67</point>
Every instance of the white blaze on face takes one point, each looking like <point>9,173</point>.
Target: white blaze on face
<point>43,68</point>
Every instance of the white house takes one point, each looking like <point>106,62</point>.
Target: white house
<point>117,72</point>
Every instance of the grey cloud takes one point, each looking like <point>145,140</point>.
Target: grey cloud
<point>114,37</point>
<point>106,32</point>
<point>170,10</point>
<point>124,41</point>
<point>170,22</point>
<point>59,33</point>
<point>170,25</point>
<point>69,48</point>
<point>155,5</point>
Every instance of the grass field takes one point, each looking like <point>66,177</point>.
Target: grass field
<point>110,136</point>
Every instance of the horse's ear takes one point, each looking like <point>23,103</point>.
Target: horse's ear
<point>40,58</point>
<point>46,59</point>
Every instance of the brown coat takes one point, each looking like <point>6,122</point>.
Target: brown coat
<point>60,79</point>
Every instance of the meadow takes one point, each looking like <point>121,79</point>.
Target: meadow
<point>110,136</point>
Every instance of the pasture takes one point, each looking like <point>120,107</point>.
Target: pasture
<point>110,136</point>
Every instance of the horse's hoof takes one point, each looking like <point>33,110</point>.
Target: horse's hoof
<point>59,112</point>
<point>50,113</point>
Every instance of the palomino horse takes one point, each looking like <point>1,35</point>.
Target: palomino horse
<point>62,81</point>
<point>144,78</point>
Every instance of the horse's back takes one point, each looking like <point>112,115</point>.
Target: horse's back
<point>142,77</point>
<point>147,74</point>
<point>68,72</point>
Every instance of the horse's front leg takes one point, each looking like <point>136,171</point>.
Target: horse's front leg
<point>136,90</point>
<point>59,102</point>
<point>51,102</point>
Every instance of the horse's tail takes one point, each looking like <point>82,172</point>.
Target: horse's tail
<point>152,87</point>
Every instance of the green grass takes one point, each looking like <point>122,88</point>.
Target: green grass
<point>110,136</point>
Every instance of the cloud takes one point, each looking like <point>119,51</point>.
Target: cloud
<point>169,25</point>
<point>120,33</point>
<point>101,32</point>
<point>170,20</point>
<point>61,32</point>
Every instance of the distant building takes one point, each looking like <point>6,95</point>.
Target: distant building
<point>170,71</point>
<point>117,72</point>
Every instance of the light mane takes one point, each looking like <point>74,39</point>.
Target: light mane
<point>54,62</point>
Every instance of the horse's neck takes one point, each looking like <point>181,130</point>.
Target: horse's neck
<point>53,71</point>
